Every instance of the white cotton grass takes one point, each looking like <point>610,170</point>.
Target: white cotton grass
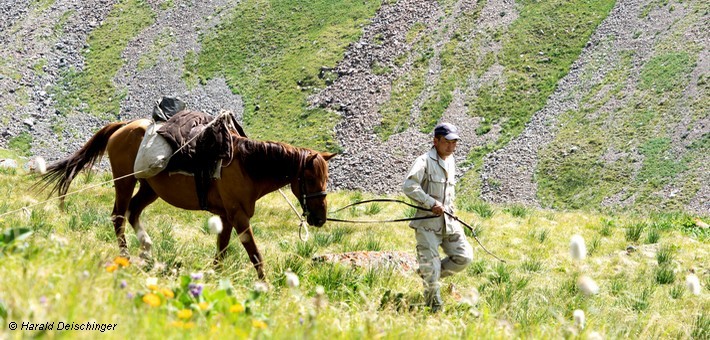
<point>587,285</point>
<point>292,280</point>
<point>470,297</point>
<point>577,248</point>
<point>693,284</point>
<point>578,316</point>
<point>215,225</point>
<point>40,165</point>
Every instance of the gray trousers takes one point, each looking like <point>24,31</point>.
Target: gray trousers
<point>431,267</point>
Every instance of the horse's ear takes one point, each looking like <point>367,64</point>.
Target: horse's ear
<point>327,155</point>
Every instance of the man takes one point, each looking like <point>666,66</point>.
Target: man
<point>430,183</point>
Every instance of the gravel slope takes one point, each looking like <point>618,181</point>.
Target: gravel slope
<point>34,55</point>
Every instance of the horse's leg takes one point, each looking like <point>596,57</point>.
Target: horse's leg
<point>124,190</point>
<point>246,237</point>
<point>223,239</point>
<point>142,199</point>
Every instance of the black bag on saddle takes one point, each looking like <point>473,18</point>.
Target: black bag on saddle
<point>166,108</point>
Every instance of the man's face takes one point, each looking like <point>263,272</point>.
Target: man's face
<point>444,147</point>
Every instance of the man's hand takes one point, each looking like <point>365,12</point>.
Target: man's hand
<point>437,209</point>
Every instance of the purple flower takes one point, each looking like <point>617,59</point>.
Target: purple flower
<point>129,295</point>
<point>43,300</point>
<point>123,284</point>
<point>195,289</point>
<point>196,276</point>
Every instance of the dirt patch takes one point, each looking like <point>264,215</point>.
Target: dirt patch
<point>405,262</point>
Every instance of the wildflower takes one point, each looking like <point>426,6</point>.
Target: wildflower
<point>587,285</point>
<point>595,336</point>
<point>236,308</point>
<point>177,324</point>
<point>112,268</point>
<point>693,284</point>
<point>578,317</point>
<point>123,284</point>
<point>261,287</point>
<point>152,283</point>
<point>189,325</point>
<point>215,224</point>
<point>291,279</point>
<point>184,314</point>
<point>151,299</point>
<point>85,274</point>
<point>203,305</point>
<point>471,297</point>
<point>130,295</point>
<point>121,261</point>
<point>195,289</point>
<point>196,276</point>
<point>159,267</point>
<point>43,300</point>
<point>209,272</point>
<point>167,293</point>
<point>577,248</point>
<point>258,324</point>
<point>319,300</point>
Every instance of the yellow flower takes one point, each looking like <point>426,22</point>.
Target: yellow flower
<point>167,293</point>
<point>258,324</point>
<point>151,299</point>
<point>152,283</point>
<point>237,308</point>
<point>184,314</point>
<point>111,268</point>
<point>177,323</point>
<point>121,261</point>
<point>189,325</point>
<point>203,305</point>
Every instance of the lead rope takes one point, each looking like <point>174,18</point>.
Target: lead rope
<point>303,225</point>
<point>473,233</point>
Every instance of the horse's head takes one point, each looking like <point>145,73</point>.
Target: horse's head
<point>310,187</point>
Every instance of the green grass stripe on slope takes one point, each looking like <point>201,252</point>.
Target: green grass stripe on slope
<point>94,85</point>
<point>271,52</point>
<point>538,50</point>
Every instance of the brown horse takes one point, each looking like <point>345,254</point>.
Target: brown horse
<point>256,169</point>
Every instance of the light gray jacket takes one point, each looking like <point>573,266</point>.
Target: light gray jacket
<point>432,179</point>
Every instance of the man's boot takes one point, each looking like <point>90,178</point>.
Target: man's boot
<point>433,299</point>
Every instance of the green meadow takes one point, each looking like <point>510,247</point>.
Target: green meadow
<point>62,266</point>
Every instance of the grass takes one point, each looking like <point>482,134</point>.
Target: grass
<point>22,144</point>
<point>51,275</point>
<point>274,64</point>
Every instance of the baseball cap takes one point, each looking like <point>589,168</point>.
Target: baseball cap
<point>447,130</point>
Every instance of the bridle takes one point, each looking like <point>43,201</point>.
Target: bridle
<point>304,195</point>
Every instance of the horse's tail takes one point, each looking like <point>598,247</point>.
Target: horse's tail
<point>62,173</point>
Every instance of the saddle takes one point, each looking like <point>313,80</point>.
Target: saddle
<point>197,142</point>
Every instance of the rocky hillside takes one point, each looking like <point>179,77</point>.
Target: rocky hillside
<point>562,104</point>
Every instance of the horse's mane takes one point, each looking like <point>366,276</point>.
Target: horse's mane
<point>268,160</point>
